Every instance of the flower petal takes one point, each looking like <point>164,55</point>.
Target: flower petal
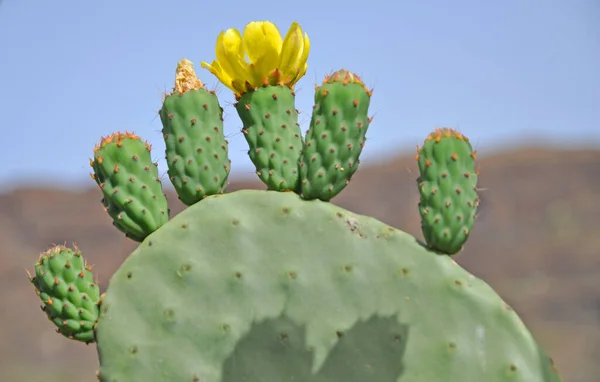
<point>261,38</point>
<point>230,54</point>
<point>272,60</point>
<point>291,50</point>
<point>217,71</point>
<point>302,62</point>
<point>262,44</point>
<point>301,65</point>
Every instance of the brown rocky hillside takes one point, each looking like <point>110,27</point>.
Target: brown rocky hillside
<point>537,242</point>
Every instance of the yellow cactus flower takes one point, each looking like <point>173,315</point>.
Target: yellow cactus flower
<point>272,60</point>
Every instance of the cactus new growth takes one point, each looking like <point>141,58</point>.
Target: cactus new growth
<point>65,284</point>
<point>448,189</point>
<point>281,284</point>
<point>133,195</point>
<point>336,136</point>
<point>197,152</point>
<point>264,89</point>
<point>273,134</point>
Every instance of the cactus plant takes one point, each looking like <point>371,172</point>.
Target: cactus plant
<point>66,286</point>
<point>336,136</point>
<point>314,292</point>
<point>448,189</point>
<point>264,89</point>
<point>129,181</point>
<point>196,148</point>
<point>281,284</point>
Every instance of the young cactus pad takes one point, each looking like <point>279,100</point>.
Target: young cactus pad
<point>197,152</point>
<point>447,185</point>
<point>311,293</point>
<point>263,88</point>
<point>273,134</point>
<point>336,135</point>
<point>65,284</point>
<point>128,178</point>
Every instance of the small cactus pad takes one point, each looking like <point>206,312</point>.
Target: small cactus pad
<point>310,292</point>
<point>274,138</point>
<point>196,149</point>
<point>447,185</point>
<point>65,284</point>
<point>128,178</point>
<point>336,136</point>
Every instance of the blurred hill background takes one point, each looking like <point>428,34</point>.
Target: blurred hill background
<point>537,242</point>
<point>519,78</point>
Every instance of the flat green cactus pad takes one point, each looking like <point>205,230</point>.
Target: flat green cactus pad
<point>262,286</point>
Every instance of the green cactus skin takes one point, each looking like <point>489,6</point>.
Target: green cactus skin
<point>133,195</point>
<point>273,134</point>
<point>65,284</point>
<point>311,292</point>
<point>336,136</point>
<point>448,189</point>
<point>196,148</point>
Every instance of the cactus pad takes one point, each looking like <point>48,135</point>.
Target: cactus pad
<point>196,149</point>
<point>65,284</point>
<point>336,136</point>
<point>447,185</point>
<point>128,178</point>
<point>311,293</point>
<point>274,138</point>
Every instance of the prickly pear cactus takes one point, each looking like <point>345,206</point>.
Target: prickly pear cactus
<point>313,293</point>
<point>65,284</point>
<point>264,90</point>
<point>131,189</point>
<point>196,148</point>
<point>280,284</point>
<point>336,136</point>
<point>448,189</point>
<point>273,134</point>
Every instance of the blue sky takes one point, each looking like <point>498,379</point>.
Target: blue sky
<point>506,73</point>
